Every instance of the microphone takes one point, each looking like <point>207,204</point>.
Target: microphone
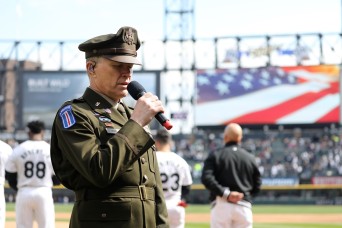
<point>136,90</point>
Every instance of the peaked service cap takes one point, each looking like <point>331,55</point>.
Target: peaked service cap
<point>120,47</point>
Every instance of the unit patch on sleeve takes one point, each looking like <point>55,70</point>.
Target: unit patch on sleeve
<point>67,116</point>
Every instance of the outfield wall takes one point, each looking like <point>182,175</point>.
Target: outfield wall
<point>300,194</point>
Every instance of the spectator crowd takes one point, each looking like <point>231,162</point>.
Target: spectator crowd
<point>294,153</point>
<point>280,153</point>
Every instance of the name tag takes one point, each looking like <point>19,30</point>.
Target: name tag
<point>111,130</point>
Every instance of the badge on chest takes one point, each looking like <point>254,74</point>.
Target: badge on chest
<point>109,126</point>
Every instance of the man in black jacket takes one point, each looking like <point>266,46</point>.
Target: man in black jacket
<point>232,177</point>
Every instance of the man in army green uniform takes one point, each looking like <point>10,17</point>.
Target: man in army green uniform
<point>102,149</point>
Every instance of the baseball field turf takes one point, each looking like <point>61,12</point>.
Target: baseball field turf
<point>265,216</point>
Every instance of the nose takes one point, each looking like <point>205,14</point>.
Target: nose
<point>128,69</point>
<point>126,73</point>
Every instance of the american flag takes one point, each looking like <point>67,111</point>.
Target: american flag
<point>270,95</point>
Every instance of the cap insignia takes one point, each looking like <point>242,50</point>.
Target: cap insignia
<point>129,36</point>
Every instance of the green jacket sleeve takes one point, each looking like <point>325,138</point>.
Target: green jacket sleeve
<point>96,160</point>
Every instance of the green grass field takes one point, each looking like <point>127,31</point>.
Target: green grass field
<point>257,210</point>
<point>278,209</point>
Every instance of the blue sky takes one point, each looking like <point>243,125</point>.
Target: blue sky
<point>83,19</point>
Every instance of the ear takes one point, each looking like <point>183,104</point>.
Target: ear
<point>90,67</point>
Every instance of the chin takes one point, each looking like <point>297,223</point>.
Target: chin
<point>125,93</point>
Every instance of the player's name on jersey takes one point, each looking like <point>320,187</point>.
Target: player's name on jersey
<point>31,152</point>
<point>173,163</point>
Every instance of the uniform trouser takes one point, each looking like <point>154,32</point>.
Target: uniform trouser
<point>176,216</point>
<point>229,215</point>
<point>2,207</point>
<point>35,203</point>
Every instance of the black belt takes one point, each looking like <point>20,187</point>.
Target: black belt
<point>141,191</point>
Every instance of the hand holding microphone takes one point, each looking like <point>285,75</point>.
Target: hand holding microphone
<point>147,107</point>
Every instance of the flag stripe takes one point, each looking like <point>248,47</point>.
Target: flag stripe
<point>330,116</point>
<point>272,114</point>
<point>223,110</point>
<point>311,113</point>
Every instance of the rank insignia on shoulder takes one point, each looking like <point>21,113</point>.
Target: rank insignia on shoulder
<point>67,116</point>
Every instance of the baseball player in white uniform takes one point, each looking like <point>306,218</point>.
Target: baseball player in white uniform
<point>5,151</point>
<point>176,179</point>
<point>29,170</point>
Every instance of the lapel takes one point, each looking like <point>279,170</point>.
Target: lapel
<point>101,106</point>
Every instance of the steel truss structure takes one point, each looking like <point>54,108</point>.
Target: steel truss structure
<point>218,52</point>
<point>171,55</point>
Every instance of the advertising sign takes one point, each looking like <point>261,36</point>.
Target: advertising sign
<point>44,92</point>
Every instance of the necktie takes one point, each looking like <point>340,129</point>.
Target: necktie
<point>122,110</point>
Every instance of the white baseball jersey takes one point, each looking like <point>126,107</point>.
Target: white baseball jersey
<point>175,173</point>
<point>31,161</point>
<point>5,151</point>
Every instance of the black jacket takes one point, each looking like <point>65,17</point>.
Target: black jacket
<point>232,167</point>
